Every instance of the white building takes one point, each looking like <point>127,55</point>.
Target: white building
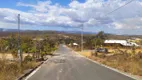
<point>75,44</point>
<point>122,42</point>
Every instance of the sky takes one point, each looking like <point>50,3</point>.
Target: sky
<point>71,15</point>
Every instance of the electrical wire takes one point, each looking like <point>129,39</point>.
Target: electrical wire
<point>120,7</point>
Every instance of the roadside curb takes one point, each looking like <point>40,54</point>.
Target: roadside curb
<point>116,70</point>
<point>29,72</point>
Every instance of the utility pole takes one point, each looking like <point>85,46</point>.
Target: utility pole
<point>82,37</point>
<point>19,47</point>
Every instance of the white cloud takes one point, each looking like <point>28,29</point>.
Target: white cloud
<point>6,25</point>
<point>130,23</point>
<point>90,13</point>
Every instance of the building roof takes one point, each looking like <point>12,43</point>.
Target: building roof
<point>122,42</point>
<point>115,41</point>
<point>75,44</point>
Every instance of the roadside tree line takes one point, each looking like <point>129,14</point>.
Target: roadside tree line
<point>37,46</point>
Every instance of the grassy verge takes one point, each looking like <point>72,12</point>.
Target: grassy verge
<point>131,63</point>
<point>11,70</point>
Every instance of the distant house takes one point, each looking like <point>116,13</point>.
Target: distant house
<point>124,43</point>
<point>38,39</point>
<point>75,44</point>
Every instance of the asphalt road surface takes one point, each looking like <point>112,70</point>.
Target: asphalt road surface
<point>67,65</point>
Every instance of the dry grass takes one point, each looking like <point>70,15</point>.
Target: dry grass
<point>86,53</point>
<point>124,61</point>
<point>113,51</point>
<point>11,70</point>
<point>10,56</point>
<point>125,64</point>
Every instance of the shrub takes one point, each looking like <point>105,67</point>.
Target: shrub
<point>28,58</point>
<point>29,65</point>
<point>94,53</point>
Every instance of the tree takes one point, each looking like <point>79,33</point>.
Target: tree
<point>95,41</point>
<point>101,35</point>
<point>26,44</point>
<point>3,45</point>
<point>89,42</point>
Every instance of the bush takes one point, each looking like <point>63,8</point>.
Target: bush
<point>29,65</point>
<point>102,55</point>
<point>28,58</point>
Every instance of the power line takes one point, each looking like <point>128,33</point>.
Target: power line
<point>120,7</point>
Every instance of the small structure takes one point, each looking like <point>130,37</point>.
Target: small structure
<point>124,43</point>
<point>75,44</point>
<point>38,39</point>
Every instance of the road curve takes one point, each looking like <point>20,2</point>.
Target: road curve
<point>70,66</point>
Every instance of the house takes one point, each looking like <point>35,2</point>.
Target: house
<point>124,43</point>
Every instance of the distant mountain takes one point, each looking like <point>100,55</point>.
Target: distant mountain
<point>8,30</point>
<point>78,32</point>
<point>1,29</point>
<point>70,32</point>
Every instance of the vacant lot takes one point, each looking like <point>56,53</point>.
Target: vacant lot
<point>127,61</point>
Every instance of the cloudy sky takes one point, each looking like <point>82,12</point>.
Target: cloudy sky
<point>69,15</point>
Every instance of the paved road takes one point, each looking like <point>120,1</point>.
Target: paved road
<point>70,66</point>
